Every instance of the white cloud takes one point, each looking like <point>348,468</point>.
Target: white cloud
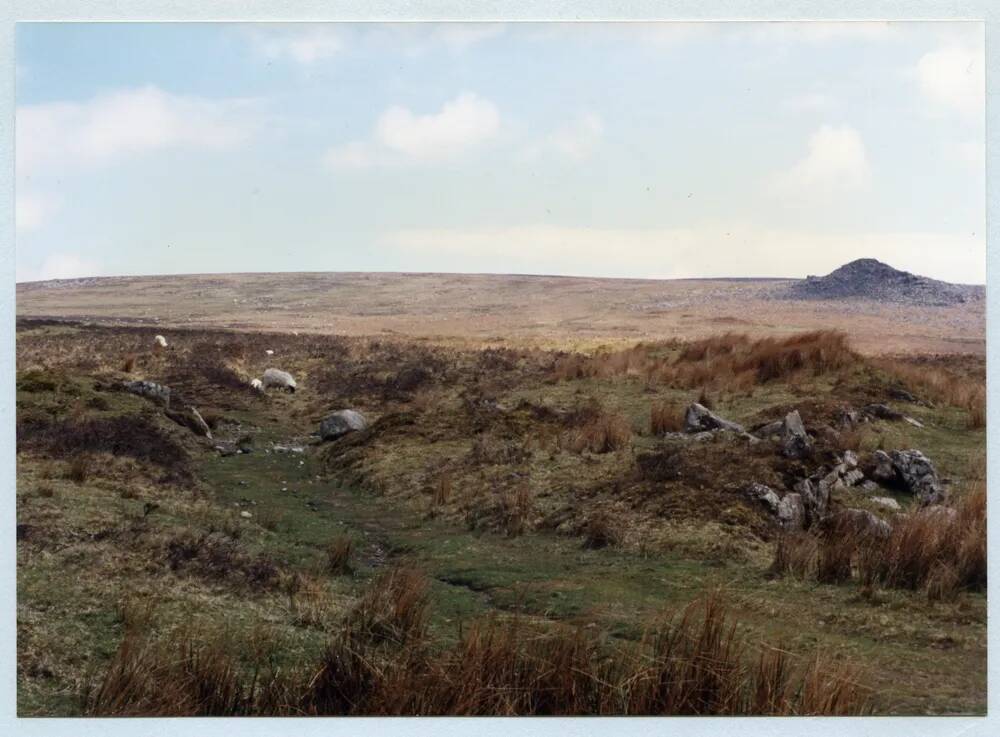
<point>463,122</point>
<point>303,44</point>
<point>400,134</point>
<point>60,266</point>
<point>953,78</point>
<point>32,209</point>
<point>61,134</point>
<point>718,251</point>
<point>835,161</point>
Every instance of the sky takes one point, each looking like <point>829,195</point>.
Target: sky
<point>653,150</point>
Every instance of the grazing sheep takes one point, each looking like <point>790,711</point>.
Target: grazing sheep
<point>160,341</point>
<point>269,352</point>
<point>278,378</point>
<point>257,384</point>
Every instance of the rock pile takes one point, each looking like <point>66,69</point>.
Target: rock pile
<point>870,279</point>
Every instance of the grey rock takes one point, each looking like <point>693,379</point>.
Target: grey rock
<point>913,421</point>
<point>815,499</point>
<point>198,423</point>
<point>791,512</point>
<point>850,459</point>
<point>698,418</point>
<point>861,521</point>
<point>918,475</point>
<point>341,423</point>
<point>769,429</point>
<point>887,502</point>
<point>882,412</point>
<point>764,494</point>
<point>884,471</point>
<point>852,477</point>
<point>795,443</point>
<point>869,279</point>
<point>150,390</point>
<point>868,487</point>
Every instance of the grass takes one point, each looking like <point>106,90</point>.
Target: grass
<point>601,550</point>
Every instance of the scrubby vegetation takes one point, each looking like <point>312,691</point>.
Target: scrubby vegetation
<point>504,538</point>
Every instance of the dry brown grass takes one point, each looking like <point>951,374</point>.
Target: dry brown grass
<point>730,362</point>
<point>338,555</point>
<point>936,549</point>
<point>516,506</point>
<point>947,383</point>
<point>393,609</point>
<point>605,433</point>
<point>694,663</point>
<point>665,417</point>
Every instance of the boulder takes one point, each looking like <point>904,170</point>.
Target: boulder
<point>341,423</point>
<point>765,495</point>
<point>698,418</point>
<point>198,423</point>
<point>190,418</point>
<point>791,512</point>
<point>860,522</point>
<point>795,443</point>
<point>852,477</point>
<point>815,499</point>
<point>768,429</point>
<point>882,412</point>
<point>884,469</point>
<point>918,475</point>
<point>868,487</point>
<point>149,390</point>
<point>850,459</point>
<point>886,502</point>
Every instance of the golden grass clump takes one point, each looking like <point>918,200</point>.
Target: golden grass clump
<point>604,433</point>
<point>665,417</point>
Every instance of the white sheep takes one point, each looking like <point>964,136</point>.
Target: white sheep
<point>269,352</point>
<point>278,378</point>
<point>160,341</point>
<point>257,385</point>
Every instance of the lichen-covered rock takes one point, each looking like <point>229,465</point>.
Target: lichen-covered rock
<point>698,418</point>
<point>791,512</point>
<point>765,495</point>
<point>860,522</point>
<point>918,475</point>
<point>341,423</point>
<point>795,443</point>
<point>884,469</point>
<point>886,502</point>
<point>150,390</point>
<point>815,499</point>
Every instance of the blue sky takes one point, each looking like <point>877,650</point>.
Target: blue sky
<point>643,150</point>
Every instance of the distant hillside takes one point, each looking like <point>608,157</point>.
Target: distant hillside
<point>870,279</point>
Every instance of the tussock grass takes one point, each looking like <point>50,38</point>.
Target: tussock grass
<point>696,662</point>
<point>665,417</point>
<point>940,550</point>
<point>731,361</point>
<point>604,433</point>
